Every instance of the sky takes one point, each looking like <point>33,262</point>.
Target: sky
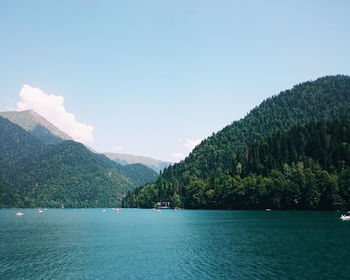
<point>156,77</point>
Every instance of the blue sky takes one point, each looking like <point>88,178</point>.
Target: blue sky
<point>153,77</point>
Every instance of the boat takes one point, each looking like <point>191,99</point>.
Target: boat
<point>104,210</point>
<point>268,209</point>
<point>162,205</point>
<point>19,214</point>
<point>345,217</point>
<point>117,211</point>
<point>40,211</point>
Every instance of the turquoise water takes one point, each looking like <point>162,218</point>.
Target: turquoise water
<point>184,244</point>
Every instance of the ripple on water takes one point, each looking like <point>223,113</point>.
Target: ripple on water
<point>144,244</point>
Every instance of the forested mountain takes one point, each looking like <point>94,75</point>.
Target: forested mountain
<point>37,126</point>
<point>16,142</point>
<point>219,164</point>
<point>9,195</point>
<point>67,173</point>
<point>124,159</point>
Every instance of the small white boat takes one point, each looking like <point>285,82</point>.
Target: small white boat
<point>104,210</point>
<point>345,217</point>
<point>117,211</point>
<point>40,211</point>
<point>268,209</point>
<point>19,214</point>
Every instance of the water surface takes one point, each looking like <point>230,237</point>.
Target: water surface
<point>184,244</point>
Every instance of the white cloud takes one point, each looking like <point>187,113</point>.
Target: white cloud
<point>118,148</point>
<point>191,144</point>
<point>177,156</point>
<point>51,107</point>
<point>188,144</point>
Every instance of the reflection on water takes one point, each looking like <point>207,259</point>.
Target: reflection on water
<point>145,244</point>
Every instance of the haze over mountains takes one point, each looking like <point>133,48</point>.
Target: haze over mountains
<point>124,159</point>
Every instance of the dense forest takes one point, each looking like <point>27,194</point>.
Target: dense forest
<point>291,152</point>
<point>9,196</point>
<point>67,174</point>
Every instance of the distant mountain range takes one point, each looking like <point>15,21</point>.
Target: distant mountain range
<point>40,168</point>
<point>47,133</point>
<point>124,159</point>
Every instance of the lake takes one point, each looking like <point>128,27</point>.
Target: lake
<point>183,244</point>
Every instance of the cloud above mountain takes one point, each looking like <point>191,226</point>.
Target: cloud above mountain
<point>177,156</point>
<point>51,107</point>
<point>189,144</point>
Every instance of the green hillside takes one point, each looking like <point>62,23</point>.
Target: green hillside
<point>10,196</point>
<point>221,154</point>
<point>69,174</point>
<point>16,142</point>
<point>34,174</point>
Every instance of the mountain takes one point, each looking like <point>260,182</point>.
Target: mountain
<point>199,180</point>
<point>306,167</point>
<point>47,133</point>
<point>9,195</point>
<point>156,165</point>
<point>68,174</point>
<point>37,126</point>
<point>15,142</point>
<point>35,174</point>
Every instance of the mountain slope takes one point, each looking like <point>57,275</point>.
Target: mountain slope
<point>307,167</point>
<point>16,142</point>
<point>9,196</point>
<point>35,174</point>
<point>156,165</point>
<point>327,98</point>
<point>37,126</point>
<point>69,174</point>
<point>324,99</point>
